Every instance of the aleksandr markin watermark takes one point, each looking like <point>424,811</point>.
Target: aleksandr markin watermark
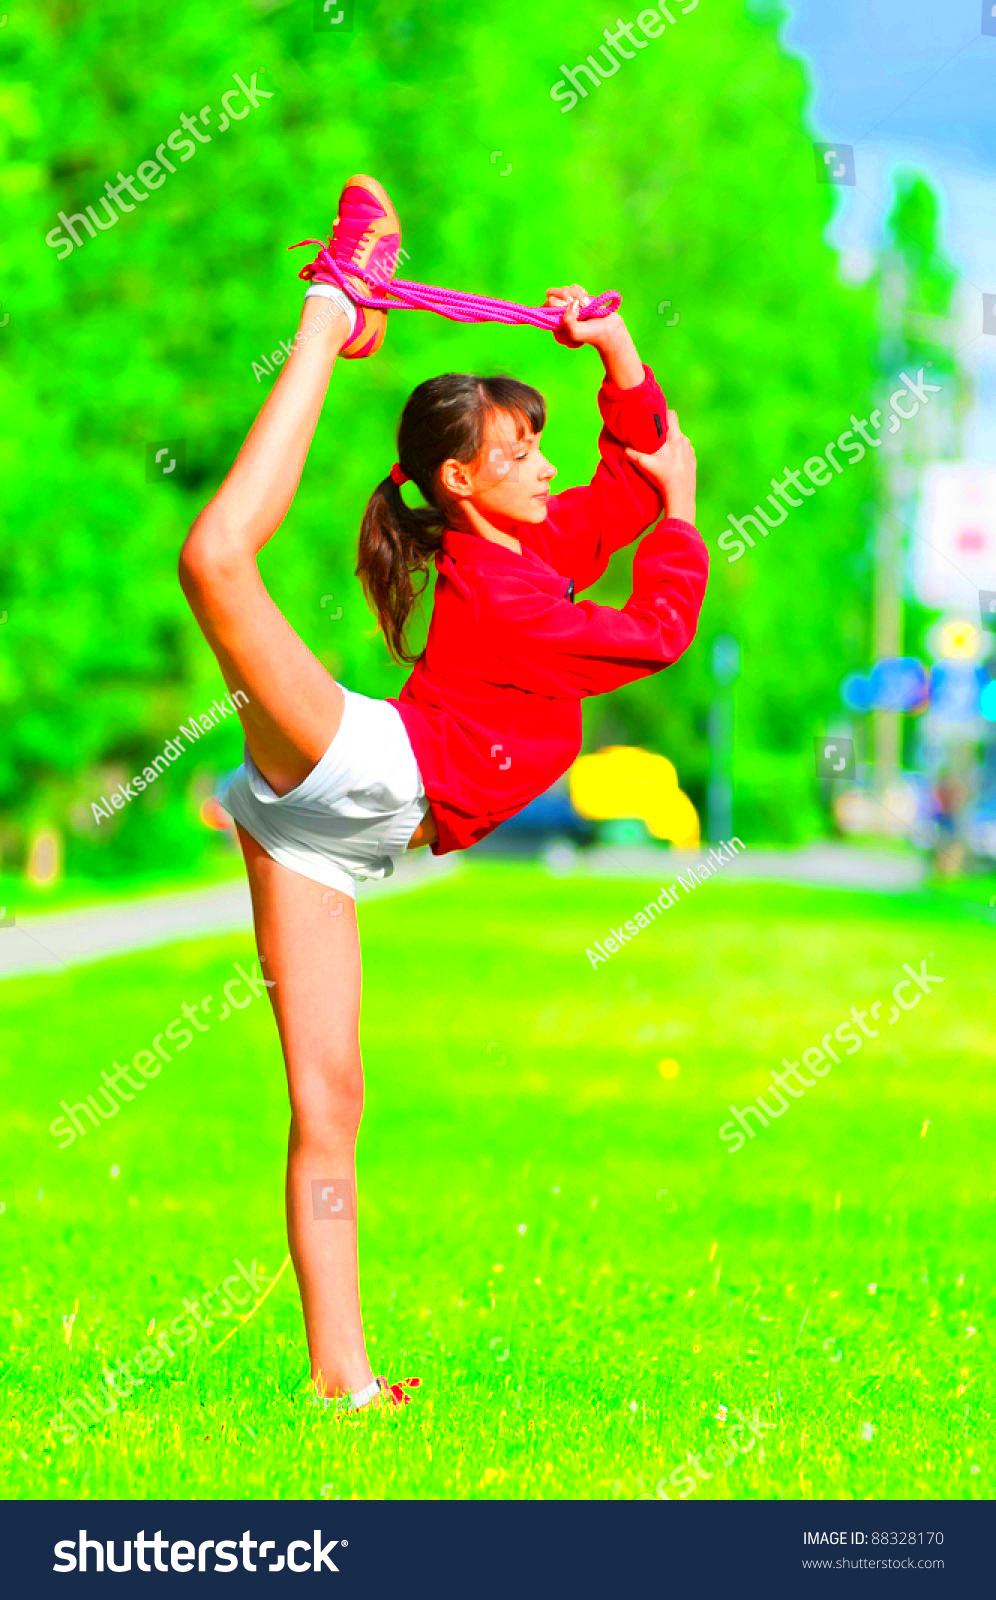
<point>665,900</point>
<point>120,797</point>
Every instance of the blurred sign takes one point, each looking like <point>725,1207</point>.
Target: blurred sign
<point>954,555</point>
<point>954,691</point>
<point>898,683</point>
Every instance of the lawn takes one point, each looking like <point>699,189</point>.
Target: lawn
<point>589,1281</point>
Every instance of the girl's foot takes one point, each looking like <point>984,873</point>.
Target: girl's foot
<point>366,239</point>
<point>377,1393</point>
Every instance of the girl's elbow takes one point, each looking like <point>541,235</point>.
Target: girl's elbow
<point>679,635</point>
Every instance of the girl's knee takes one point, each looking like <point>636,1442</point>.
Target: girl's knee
<point>327,1101</point>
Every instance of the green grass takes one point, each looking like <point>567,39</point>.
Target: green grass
<point>553,1235</point>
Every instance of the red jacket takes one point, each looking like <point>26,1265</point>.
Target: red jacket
<point>493,705</point>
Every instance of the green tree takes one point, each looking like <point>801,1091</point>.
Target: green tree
<point>686,177</point>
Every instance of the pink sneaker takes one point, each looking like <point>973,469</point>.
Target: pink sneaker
<point>394,1393</point>
<point>366,239</point>
<point>391,1395</point>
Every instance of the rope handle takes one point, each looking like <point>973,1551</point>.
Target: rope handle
<point>400,295</point>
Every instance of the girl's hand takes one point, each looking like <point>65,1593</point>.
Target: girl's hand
<point>671,469</point>
<point>598,331</point>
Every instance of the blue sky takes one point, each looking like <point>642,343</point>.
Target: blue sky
<point>907,82</point>
<point>911,83</point>
<point>911,70</point>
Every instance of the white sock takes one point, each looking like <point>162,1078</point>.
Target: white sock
<point>331,291</point>
<point>354,1401</point>
<point>362,1397</point>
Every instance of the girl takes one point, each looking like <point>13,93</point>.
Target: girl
<point>335,786</point>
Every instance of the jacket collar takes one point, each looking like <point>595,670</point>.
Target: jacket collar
<point>472,548</point>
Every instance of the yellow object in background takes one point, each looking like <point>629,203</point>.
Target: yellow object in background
<point>625,781</point>
<point>44,864</point>
<point>956,639</point>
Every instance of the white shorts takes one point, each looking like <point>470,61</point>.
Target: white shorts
<point>354,813</point>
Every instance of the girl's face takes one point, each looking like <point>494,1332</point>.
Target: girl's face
<point>509,482</point>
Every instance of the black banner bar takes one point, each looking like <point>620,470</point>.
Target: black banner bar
<point>508,1549</point>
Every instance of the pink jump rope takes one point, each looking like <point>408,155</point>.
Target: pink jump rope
<point>400,295</point>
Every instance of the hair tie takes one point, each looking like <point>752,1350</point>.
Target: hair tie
<point>398,475</point>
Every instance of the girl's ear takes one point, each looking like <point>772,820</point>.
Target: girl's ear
<point>456,479</point>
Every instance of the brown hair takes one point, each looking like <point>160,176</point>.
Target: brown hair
<point>444,419</point>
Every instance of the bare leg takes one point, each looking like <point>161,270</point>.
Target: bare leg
<point>293,713</point>
<point>315,959</point>
<point>295,706</point>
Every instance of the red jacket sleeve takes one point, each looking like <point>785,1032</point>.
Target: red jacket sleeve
<point>556,648</point>
<point>586,525</point>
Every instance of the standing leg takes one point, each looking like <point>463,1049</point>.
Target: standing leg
<point>315,959</point>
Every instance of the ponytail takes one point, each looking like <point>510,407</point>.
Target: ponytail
<point>395,544</point>
<point>444,419</point>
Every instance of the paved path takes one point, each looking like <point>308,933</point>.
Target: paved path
<point>827,865</point>
<point>75,938</point>
<point>67,939</point>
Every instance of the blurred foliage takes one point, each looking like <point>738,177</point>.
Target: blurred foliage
<point>914,227</point>
<point>686,181</point>
<point>916,284</point>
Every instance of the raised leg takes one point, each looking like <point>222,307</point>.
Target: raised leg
<point>294,705</point>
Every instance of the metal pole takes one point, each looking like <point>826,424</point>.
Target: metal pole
<point>887,619</point>
<point>725,661</point>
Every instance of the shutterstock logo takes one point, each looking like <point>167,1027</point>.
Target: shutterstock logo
<point>73,1554</point>
<point>835,163</point>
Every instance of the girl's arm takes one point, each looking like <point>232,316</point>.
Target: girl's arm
<point>553,647</point>
<point>672,470</point>
<point>586,525</point>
